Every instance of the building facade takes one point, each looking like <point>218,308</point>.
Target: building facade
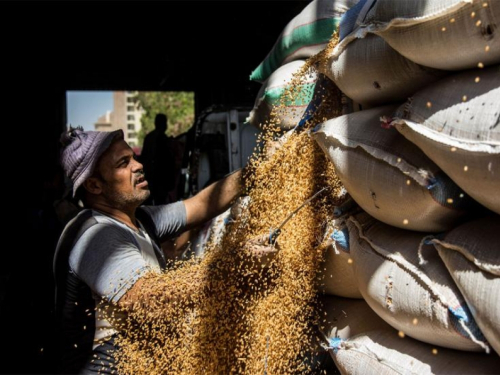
<point>126,115</point>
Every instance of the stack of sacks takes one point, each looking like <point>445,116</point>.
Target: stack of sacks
<point>304,36</point>
<point>388,176</point>
<point>418,157</point>
<point>389,48</point>
<point>420,300</point>
<point>440,34</point>
<point>360,342</point>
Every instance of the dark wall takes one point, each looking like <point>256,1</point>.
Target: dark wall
<point>207,47</point>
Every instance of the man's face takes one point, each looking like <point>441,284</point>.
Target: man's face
<point>123,176</point>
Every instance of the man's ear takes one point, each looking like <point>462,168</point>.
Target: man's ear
<point>93,185</point>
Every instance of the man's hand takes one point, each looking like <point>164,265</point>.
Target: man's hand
<point>260,251</point>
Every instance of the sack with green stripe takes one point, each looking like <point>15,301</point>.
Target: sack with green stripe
<point>284,97</point>
<point>304,36</point>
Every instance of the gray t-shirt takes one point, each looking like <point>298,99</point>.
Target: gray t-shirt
<point>110,256</point>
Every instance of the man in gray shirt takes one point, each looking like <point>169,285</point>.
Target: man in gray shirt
<point>104,252</point>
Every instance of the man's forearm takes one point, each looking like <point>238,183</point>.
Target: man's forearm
<point>213,200</point>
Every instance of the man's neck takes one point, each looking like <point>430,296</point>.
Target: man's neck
<point>126,216</point>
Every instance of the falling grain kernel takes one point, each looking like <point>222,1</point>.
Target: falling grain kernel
<point>478,23</point>
<point>452,20</point>
<point>350,261</point>
<point>477,79</point>
<point>408,182</point>
<point>415,321</point>
<point>405,221</point>
<point>466,168</point>
<point>464,98</point>
<point>449,201</point>
<point>485,5</point>
<point>76,346</point>
<point>399,160</point>
<point>473,14</point>
<point>249,311</point>
<point>41,350</point>
<point>462,195</point>
<point>453,149</point>
<point>480,65</point>
<point>429,104</point>
<point>434,351</point>
<point>486,49</point>
<point>443,28</point>
<point>401,334</point>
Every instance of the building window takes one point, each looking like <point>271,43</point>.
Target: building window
<point>131,127</point>
<point>131,117</point>
<point>130,99</point>
<point>132,135</point>
<point>130,108</point>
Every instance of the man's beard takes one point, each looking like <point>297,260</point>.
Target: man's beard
<point>125,200</point>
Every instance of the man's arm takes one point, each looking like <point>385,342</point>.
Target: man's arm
<point>213,200</point>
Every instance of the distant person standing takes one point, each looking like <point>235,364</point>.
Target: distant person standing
<point>158,161</point>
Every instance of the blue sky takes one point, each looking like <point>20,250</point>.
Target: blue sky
<point>85,107</point>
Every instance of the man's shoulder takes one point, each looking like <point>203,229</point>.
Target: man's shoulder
<point>100,232</point>
<point>101,225</point>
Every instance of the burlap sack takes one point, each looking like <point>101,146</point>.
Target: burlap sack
<point>456,123</point>
<point>383,352</point>
<point>337,272</point>
<point>388,176</point>
<point>343,318</point>
<point>372,73</point>
<point>471,253</point>
<point>442,34</point>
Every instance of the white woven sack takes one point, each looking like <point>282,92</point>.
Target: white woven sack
<point>456,122</point>
<point>442,34</point>
<point>471,253</point>
<point>388,176</point>
<point>383,352</point>
<point>337,272</point>
<point>343,318</point>
<point>275,94</point>
<point>420,300</point>
<point>239,207</point>
<point>212,231</point>
<point>372,73</point>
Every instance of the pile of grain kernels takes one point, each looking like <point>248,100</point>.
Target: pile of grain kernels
<point>219,315</point>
